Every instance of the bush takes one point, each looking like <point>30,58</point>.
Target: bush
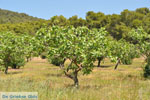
<point>147,71</point>
<point>2,68</point>
<point>56,61</point>
<point>126,61</point>
<point>43,55</point>
<point>17,63</point>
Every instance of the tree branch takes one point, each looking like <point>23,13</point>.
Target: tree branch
<point>68,75</point>
<point>78,65</point>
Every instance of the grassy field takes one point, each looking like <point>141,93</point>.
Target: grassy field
<point>125,83</point>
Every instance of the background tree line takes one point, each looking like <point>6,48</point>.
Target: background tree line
<point>118,25</point>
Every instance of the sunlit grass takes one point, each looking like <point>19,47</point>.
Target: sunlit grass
<point>125,83</point>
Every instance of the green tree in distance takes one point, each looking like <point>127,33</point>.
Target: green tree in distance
<point>142,41</point>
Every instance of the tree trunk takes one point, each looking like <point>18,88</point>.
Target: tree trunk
<point>30,58</point>
<point>14,66</point>
<point>99,61</point>
<point>75,79</point>
<point>116,66</point>
<point>27,59</point>
<point>6,70</point>
<point>74,75</point>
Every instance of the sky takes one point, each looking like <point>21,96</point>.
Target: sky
<point>47,8</point>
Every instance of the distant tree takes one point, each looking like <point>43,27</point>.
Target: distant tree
<point>95,20</point>
<point>11,50</point>
<point>144,11</point>
<point>14,49</point>
<point>59,20</point>
<point>76,22</point>
<point>123,51</point>
<point>143,43</point>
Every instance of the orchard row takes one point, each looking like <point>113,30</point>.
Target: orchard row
<point>82,46</point>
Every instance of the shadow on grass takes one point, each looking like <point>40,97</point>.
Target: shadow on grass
<point>14,72</point>
<point>91,87</point>
<point>83,87</point>
<point>105,66</point>
<point>54,68</point>
<point>39,62</point>
<point>53,75</point>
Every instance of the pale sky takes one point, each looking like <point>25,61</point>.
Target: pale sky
<point>48,8</point>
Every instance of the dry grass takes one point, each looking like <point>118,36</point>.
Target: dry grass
<point>125,83</point>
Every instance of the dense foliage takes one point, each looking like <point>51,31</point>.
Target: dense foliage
<point>80,46</point>
<point>14,49</point>
<point>124,51</point>
<point>142,41</point>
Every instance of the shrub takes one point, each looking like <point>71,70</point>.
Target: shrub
<point>17,63</point>
<point>147,71</point>
<point>127,61</point>
<point>56,61</point>
<point>43,55</point>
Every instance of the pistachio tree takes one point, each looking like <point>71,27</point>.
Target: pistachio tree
<point>80,46</point>
<point>32,47</point>
<point>142,41</point>
<point>124,52</point>
<point>13,50</point>
<point>104,50</point>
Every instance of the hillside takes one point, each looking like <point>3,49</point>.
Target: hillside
<point>7,16</point>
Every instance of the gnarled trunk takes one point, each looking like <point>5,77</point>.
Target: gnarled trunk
<point>74,74</point>
<point>75,79</point>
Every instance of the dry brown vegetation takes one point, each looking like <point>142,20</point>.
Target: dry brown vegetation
<point>125,83</point>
